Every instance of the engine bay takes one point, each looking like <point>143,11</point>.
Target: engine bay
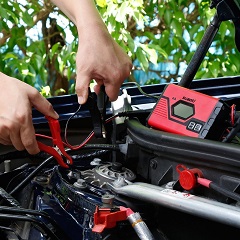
<point>161,162</point>
<point>153,174</point>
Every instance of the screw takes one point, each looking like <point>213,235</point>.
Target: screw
<point>153,164</point>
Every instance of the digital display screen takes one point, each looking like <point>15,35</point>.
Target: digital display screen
<point>183,110</point>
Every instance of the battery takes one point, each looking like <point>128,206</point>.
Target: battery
<point>187,112</point>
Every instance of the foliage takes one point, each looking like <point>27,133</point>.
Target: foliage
<point>38,44</point>
<point>33,46</point>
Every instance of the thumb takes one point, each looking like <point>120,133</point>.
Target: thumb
<point>82,85</point>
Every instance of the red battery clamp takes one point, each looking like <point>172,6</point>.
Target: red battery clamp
<point>187,112</point>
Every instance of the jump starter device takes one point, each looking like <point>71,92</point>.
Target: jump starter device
<point>187,112</point>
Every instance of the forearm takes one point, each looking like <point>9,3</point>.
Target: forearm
<point>82,13</point>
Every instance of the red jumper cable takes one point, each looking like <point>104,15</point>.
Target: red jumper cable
<point>57,143</point>
<point>191,178</point>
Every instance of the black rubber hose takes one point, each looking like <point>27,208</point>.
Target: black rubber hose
<point>23,211</point>
<point>42,227</point>
<point>8,198</point>
<point>31,175</point>
<point>111,147</point>
<point>21,154</point>
<point>42,155</point>
<point>89,155</point>
<point>233,132</point>
<point>225,192</point>
<point>201,151</point>
<point>200,53</point>
<point>8,229</point>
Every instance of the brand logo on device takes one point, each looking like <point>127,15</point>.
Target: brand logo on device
<point>189,99</point>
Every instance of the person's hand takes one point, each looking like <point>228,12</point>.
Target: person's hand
<point>100,58</point>
<point>16,102</point>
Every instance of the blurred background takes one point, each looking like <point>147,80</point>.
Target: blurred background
<point>38,43</point>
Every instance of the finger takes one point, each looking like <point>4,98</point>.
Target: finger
<point>82,85</point>
<point>4,132</point>
<point>16,140</point>
<point>28,138</point>
<point>42,105</point>
<point>97,87</point>
<point>112,91</point>
<point>5,142</point>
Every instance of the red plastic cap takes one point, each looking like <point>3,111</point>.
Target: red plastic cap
<point>187,179</point>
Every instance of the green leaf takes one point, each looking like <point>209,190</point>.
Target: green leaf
<point>53,50</point>
<point>184,44</point>
<point>10,55</point>
<point>176,57</point>
<point>43,75</point>
<point>180,2</point>
<point>14,17</point>
<point>142,59</point>
<point>159,50</point>
<point>37,61</point>
<point>176,27</point>
<point>189,56</point>
<point>130,42</point>
<point>152,54</point>
<point>4,13</point>
<point>223,30</point>
<point>179,16</point>
<point>150,35</point>
<point>27,18</point>
<point>123,10</point>
<point>22,42</point>
<point>61,64</point>
<point>101,3</point>
<point>199,37</point>
<point>193,30</point>
<point>235,61</point>
<point>168,16</point>
<point>164,38</point>
<point>214,68</point>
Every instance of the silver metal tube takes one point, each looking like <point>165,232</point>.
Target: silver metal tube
<point>7,166</point>
<point>140,227</point>
<point>184,202</point>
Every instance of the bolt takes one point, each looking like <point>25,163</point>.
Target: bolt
<point>107,200</point>
<point>41,179</point>
<point>153,164</point>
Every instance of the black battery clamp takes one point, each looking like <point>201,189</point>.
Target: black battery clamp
<point>97,109</point>
<point>187,112</point>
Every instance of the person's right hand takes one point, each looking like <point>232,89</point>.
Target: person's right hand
<point>99,57</point>
<point>16,101</point>
<point>102,59</point>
